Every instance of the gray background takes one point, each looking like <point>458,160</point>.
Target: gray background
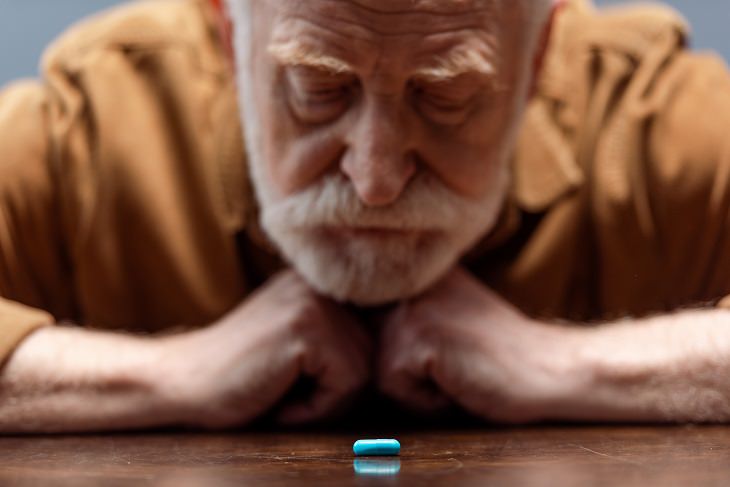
<point>26,26</point>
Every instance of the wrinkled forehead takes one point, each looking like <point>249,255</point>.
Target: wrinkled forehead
<point>443,38</point>
<point>402,6</point>
<point>396,17</point>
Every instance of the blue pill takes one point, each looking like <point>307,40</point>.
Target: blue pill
<point>376,448</point>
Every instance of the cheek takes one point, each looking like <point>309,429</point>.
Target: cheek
<point>302,160</point>
<point>296,155</point>
<point>469,159</point>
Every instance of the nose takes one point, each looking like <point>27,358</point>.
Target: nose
<point>379,161</point>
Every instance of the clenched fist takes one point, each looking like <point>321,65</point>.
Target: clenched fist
<point>461,343</point>
<point>237,369</point>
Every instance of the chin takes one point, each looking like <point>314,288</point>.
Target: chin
<point>370,269</point>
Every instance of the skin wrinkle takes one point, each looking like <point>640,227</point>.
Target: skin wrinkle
<point>659,382</point>
<point>293,163</point>
<point>495,12</point>
<point>428,5</point>
<point>490,44</point>
<point>489,20</point>
<point>460,60</point>
<point>378,15</point>
<point>699,393</point>
<point>296,53</point>
<point>467,51</point>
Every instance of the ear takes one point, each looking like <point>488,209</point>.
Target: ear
<point>225,27</point>
<point>543,44</point>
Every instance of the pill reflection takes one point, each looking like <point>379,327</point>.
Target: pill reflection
<point>380,467</point>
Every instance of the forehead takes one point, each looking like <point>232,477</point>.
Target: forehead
<point>386,34</point>
<point>363,19</point>
<point>446,7</point>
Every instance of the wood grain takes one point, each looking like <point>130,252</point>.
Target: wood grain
<point>541,456</point>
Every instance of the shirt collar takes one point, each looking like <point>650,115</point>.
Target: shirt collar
<point>544,165</point>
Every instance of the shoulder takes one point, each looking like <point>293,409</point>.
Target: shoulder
<point>624,143</point>
<point>620,46</point>
<point>143,120</point>
<point>650,141</point>
<point>620,89</point>
<point>138,26</point>
<point>138,91</point>
<point>145,141</point>
<point>24,148</point>
<point>600,68</point>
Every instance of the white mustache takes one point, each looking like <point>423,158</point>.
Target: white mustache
<point>425,205</point>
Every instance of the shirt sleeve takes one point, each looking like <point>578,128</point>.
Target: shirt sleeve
<point>30,262</point>
<point>690,179</point>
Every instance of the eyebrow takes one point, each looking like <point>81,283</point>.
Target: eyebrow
<point>296,53</point>
<point>459,61</point>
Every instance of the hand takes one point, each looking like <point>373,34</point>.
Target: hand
<point>461,343</point>
<point>239,368</point>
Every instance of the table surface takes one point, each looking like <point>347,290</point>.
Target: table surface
<point>538,456</point>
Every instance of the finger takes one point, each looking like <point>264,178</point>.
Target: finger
<point>354,345</point>
<point>350,344</point>
<point>405,363</point>
<point>431,399</point>
<point>408,380</point>
<point>339,375</point>
<point>323,403</point>
<point>417,394</point>
<point>356,350</point>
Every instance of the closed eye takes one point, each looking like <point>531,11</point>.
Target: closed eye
<point>446,102</point>
<point>317,96</point>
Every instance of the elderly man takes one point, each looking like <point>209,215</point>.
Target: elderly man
<point>441,192</point>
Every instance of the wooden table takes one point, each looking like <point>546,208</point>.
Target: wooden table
<point>539,456</point>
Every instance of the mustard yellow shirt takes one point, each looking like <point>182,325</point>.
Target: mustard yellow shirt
<point>125,202</point>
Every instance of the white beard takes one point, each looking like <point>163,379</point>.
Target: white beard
<point>363,270</point>
<point>368,270</point>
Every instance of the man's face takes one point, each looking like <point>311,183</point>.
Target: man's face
<point>379,131</point>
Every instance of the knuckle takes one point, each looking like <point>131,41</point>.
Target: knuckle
<point>387,385</point>
<point>309,311</point>
<point>397,389</point>
<point>356,382</point>
<point>306,318</point>
<point>390,376</point>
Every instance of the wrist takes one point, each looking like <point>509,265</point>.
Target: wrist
<point>568,371</point>
<point>71,379</point>
<point>172,379</point>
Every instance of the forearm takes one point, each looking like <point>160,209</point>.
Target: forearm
<point>66,379</point>
<point>669,368</point>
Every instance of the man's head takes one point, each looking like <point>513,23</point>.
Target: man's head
<point>378,131</point>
